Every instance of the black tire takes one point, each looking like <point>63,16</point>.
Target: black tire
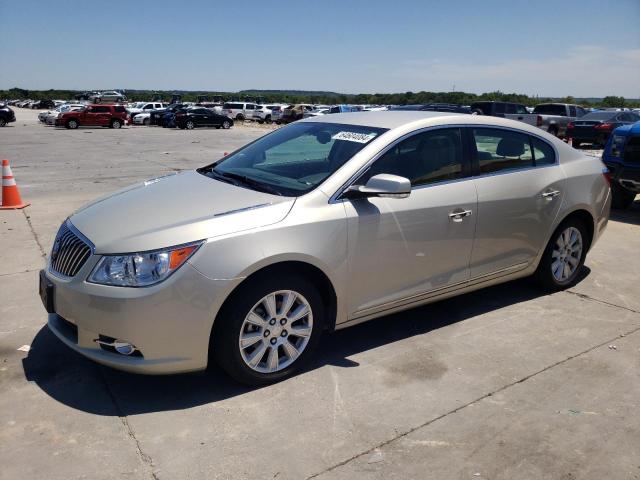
<point>3,122</point>
<point>146,122</point>
<point>190,125</point>
<point>260,122</point>
<point>115,124</point>
<point>544,273</point>
<point>226,125</point>
<point>267,119</point>
<point>240,117</point>
<point>72,124</point>
<point>575,143</point>
<point>477,111</point>
<point>553,131</point>
<point>224,344</point>
<point>621,198</point>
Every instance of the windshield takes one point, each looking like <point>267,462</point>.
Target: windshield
<point>295,159</point>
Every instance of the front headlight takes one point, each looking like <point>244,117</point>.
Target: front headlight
<point>141,269</point>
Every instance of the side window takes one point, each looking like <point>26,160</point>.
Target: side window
<point>101,110</point>
<point>501,150</point>
<point>250,106</point>
<point>147,106</point>
<point>543,154</point>
<point>572,111</point>
<point>499,108</point>
<point>580,112</point>
<point>425,158</point>
<point>510,108</point>
<point>119,108</point>
<point>521,109</point>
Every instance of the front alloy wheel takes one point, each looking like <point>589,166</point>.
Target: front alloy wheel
<point>226,124</point>
<point>276,331</point>
<point>190,125</point>
<point>268,328</point>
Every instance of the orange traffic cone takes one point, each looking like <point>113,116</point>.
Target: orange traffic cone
<point>10,193</point>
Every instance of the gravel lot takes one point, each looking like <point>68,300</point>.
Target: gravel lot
<point>504,383</point>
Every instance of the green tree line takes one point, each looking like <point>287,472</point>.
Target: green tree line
<point>272,96</point>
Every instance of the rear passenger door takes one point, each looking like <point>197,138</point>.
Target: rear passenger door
<point>97,115</point>
<point>520,190</point>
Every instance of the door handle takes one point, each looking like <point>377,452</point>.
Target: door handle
<point>550,195</point>
<point>458,215</point>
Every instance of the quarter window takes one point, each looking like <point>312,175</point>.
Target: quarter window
<point>501,150</point>
<point>425,158</point>
<point>543,154</point>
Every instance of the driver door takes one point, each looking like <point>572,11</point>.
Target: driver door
<point>400,249</point>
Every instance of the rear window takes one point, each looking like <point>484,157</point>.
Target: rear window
<point>551,110</point>
<point>599,116</point>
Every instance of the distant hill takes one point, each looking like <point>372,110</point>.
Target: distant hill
<point>301,93</point>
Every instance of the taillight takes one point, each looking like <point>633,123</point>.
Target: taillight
<point>570,126</point>
<point>604,126</point>
<point>606,173</point>
<point>539,121</point>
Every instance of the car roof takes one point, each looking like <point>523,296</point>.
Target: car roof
<point>392,119</point>
<point>384,119</point>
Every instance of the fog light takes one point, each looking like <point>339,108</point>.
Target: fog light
<point>117,346</point>
<point>123,347</point>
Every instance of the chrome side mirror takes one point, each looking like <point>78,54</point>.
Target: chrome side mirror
<point>383,185</point>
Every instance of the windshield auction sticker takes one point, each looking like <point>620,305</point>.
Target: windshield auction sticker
<point>354,137</point>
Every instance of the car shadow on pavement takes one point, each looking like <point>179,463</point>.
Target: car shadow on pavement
<point>631,215</point>
<point>82,384</point>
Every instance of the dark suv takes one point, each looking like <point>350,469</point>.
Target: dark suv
<point>622,157</point>
<point>112,116</point>
<point>6,115</point>
<point>498,109</point>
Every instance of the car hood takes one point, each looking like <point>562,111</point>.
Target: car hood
<point>175,209</point>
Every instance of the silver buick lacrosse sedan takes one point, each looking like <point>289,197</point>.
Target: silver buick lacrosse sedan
<point>322,224</point>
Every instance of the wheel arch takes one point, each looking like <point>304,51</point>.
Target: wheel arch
<point>585,217</point>
<point>301,267</point>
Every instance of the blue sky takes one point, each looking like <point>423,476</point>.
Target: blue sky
<point>555,48</point>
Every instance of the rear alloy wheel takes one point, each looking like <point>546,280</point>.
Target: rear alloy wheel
<point>226,125</point>
<point>270,328</point>
<point>146,122</point>
<point>190,125</point>
<point>116,124</point>
<point>72,124</point>
<point>564,256</point>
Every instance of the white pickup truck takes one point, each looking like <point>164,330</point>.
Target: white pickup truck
<point>551,117</point>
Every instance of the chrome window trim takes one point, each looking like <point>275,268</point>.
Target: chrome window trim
<point>335,197</point>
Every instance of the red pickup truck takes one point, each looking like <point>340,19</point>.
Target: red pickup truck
<point>112,116</point>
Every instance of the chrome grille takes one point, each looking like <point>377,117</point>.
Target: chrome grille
<point>69,252</point>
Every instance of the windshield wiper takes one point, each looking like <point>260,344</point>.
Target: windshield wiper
<point>247,181</point>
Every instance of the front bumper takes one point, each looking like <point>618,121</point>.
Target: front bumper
<point>627,176</point>
<point>169,323</point>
